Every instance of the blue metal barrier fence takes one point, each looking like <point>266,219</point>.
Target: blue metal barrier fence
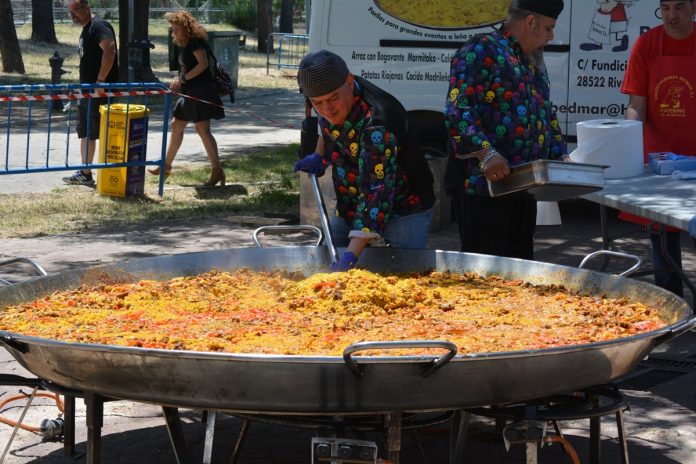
<point>291,49</point>
<point>34,133</point>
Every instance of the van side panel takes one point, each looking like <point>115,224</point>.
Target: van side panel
<point>585,61</point>
<point>407,60</point>
<point>602,35</point>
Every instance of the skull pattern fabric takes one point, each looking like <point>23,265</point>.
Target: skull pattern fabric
<point>498,99</point>
<point>370,186</point>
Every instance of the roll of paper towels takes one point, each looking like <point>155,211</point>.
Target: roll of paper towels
<point>617,143</point>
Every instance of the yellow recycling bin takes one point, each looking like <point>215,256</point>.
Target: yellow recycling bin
<point>122,138</point>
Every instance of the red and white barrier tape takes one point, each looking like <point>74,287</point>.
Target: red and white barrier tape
<point>197,99</point>
<point>79,96</point>
<point>235,110</point>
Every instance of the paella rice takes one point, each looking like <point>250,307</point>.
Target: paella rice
<point>260,312</point>
<point>446,13</point>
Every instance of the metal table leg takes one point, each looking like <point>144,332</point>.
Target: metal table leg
<point>19,423</point>
<point>240,440</point>
<point>209,436</point>
<point>622,436</point>
<point>532,453</point>
<point>176,435</point>
<point>69,425</point>
<point>460,427</point>
<point>392,423</point>
<point>95,420</point>
<point>415,436</point>
<point>673,266</point>
<point>595,440</point>
<point>606,240</point>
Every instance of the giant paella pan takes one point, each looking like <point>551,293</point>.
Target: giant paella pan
<point>348,384</point>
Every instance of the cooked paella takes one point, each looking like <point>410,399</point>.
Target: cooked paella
<point>283,313</point>
<point>446,13</point>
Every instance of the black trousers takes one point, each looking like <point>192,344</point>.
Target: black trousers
<point>663,278</point>
<point>502,226</point>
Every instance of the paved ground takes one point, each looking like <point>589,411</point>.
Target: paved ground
<point>661,427</point>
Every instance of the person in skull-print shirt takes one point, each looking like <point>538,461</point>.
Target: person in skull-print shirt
<point>384,187</point>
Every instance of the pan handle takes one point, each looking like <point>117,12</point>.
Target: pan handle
<point>676,331</point>
<point>13,343</point>
<point>37,267</point>
<point>288,229</point>
<point>616,254</point>
<point>428,371</point>
<point>324,217</point>
<point>19,381</point>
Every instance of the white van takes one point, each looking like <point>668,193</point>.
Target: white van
<point>405,47</point>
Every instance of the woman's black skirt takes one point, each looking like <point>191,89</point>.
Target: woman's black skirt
<point>193,110</point>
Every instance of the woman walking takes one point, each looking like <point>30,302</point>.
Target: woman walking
<point>195,81</point>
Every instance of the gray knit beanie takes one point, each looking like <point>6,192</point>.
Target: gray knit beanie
<point>321,73</point>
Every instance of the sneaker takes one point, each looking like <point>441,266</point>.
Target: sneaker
<point>79,178</point>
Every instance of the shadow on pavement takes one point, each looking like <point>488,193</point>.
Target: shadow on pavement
<point>272,444</point>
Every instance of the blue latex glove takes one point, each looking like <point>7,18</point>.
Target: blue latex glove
<point>311,164</point>
<point>347,261</point>
<point>669,156</point>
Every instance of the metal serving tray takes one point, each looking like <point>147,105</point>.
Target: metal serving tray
<point>550,180</point>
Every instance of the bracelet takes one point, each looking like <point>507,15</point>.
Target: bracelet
<point>491,153</point>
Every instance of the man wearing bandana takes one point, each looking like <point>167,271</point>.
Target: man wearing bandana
<point>498,114</point>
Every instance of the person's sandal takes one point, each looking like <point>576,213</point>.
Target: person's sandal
<point>156,171</point>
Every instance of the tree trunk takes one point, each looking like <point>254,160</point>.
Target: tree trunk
<point>42,28</point>
<point>134,54</point>
<point>286,16</point>
<point>123,25</point>
<point>141,10</point>
<point>264,25</point>
<point>9,44</point>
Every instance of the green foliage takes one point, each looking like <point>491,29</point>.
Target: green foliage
<point>273,200</point>
<point>242,14</point>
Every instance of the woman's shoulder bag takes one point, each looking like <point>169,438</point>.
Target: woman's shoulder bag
<point>221,78</point>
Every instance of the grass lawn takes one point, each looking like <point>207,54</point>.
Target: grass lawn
<point>259,182</point>
<point>252,65</point>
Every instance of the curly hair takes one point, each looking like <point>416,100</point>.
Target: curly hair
<point>192,27</point>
